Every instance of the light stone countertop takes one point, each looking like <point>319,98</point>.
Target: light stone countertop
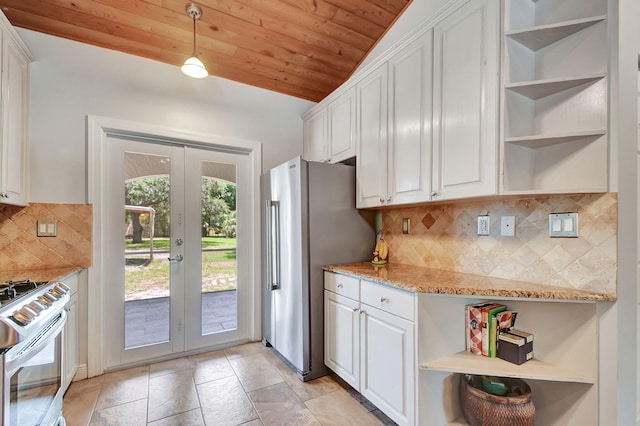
<point>38,275</point>
<point>424,280</point>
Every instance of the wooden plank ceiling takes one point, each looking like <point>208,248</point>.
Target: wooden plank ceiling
<point>303,48</point>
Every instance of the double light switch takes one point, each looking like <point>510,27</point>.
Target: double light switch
<point>563,224</point>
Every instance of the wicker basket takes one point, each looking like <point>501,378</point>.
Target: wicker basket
<point>484,409</point>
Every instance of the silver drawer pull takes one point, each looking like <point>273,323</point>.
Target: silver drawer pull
<point>355,309</point>
<point>340,286</point>
<point>384,300</point>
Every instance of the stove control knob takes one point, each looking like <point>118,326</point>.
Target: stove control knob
<point>63,286</point>
<point>51,294</point>
<point>50,297</point>
<point>23,316</point>
<point>35,307</point>
<point>45,301</point>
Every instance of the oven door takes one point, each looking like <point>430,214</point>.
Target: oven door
<point>32,382</point>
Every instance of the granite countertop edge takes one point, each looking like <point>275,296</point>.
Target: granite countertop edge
<point>44,274</point>
<point>419,279</point>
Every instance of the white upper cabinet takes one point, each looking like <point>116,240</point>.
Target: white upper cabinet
<point>14,104</point>
<point>342,126</point>
<point>555,97</point>
<point>371,159</point>
<point>315,137</point>
<point>410,113</point>
<point>465,149</point>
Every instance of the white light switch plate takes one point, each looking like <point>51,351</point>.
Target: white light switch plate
<point>563,225</point>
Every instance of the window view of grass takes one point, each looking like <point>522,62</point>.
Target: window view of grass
<point>144,279</point>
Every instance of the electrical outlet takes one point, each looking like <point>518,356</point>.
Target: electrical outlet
<point>508,226</point>
<point>484,225</point>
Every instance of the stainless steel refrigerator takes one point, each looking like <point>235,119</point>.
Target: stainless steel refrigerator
<point>309,220</point>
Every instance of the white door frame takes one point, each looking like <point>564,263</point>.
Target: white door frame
<point>98,130</point>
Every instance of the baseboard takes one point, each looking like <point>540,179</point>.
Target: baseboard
<point>81,373</point>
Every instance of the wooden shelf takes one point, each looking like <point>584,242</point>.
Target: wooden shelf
<point>539,141</point>
<point>465,362</point>
<point>541,88</point>
<point>535,38</point>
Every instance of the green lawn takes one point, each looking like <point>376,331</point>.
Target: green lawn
<point>164,243</point>
<point>145,280</point>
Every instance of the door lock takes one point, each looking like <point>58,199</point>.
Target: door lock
<point>178,258</point>
<point>179,241</point>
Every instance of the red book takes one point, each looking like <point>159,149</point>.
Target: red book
<point>474,327</point>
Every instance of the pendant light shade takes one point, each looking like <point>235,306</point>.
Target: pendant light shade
<point>193,67</point>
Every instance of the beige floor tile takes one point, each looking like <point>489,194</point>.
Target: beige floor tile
<point>172,394</point>
<point>83,386</point>
<point>170,366</point>
<point>190,418</point>
<point>279,405</point>
<point>244,350</point>
<point>255,422</point>
<point>306,390</point>
<point>338,408</point>
<point>78,408</point>
<point>124,386</point>
<point>224,402</point>
<point>255,371</point>
<point>129,414</point>
<point>211,366</point>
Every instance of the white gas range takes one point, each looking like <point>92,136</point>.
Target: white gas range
<point>32,318</point>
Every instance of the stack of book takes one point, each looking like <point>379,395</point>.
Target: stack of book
<point>484,322</point>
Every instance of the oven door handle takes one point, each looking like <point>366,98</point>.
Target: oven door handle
<point>33,347</point>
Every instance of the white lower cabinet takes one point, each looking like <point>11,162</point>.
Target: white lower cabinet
<point>369,345</point>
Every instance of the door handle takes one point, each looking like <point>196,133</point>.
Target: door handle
<point>178,258</point>
<point>273,207</point>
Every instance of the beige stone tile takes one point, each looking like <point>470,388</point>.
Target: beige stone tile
<point>279,405</point>
<point>171,394</point>
<point>255,422</point>
<point>306,390</point>
<point>124,386</point>
<point>224,402</point>
<point>338,408</point>
<point>130,414</point>
<point>171,366</point>
<point>210,366</point>
<point>255,371</point>
<point>190,418</point>
<point>78,408</point>
<point>245,350</point>
<point>83,386</point>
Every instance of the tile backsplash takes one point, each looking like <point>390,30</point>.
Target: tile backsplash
<point>21,248</point>
<point>445,237</point>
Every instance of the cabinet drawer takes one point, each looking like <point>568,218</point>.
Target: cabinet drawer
<point>342,284</point>
<point>388,299</point>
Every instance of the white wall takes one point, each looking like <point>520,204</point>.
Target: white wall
<point>71,80</point>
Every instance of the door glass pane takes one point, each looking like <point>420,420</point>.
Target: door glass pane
<point>218,291</point>
<point>147,244</point>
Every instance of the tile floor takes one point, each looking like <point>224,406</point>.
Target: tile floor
<point>243,385</point>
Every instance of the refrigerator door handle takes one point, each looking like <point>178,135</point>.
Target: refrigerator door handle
<point>273,245</point>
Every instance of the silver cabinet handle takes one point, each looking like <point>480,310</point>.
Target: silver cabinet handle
<point>178,258</point>
<point>355,309</point>
<point>381,200</point>
<point>383,300</point>
<point>362,311</point>
<point>388,199</point>
<point>340,285</point>
<point>434,194</point>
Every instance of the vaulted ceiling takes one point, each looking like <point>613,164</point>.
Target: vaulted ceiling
<point>303,48</point>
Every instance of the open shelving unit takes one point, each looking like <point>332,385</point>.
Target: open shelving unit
<point>555,100</point>
<point>564,368</point>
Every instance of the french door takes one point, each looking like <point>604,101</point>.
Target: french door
<point>175,249</point>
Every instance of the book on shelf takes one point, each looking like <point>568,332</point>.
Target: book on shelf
<point>473,327</point>
<point>489,328</point>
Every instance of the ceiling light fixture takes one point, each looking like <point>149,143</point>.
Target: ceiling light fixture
<point>193,67</point>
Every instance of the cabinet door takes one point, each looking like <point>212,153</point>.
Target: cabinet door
<point>410,106</point>
<point>315,137</point>
<point>465,102</point>
<point>387,364</point>
<point>71,341</point>
<point>342,125</point>
<point>342,337</point>
<point>371,161</point>
<point>15,95</point>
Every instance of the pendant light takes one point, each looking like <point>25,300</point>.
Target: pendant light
<point>193,67</point>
